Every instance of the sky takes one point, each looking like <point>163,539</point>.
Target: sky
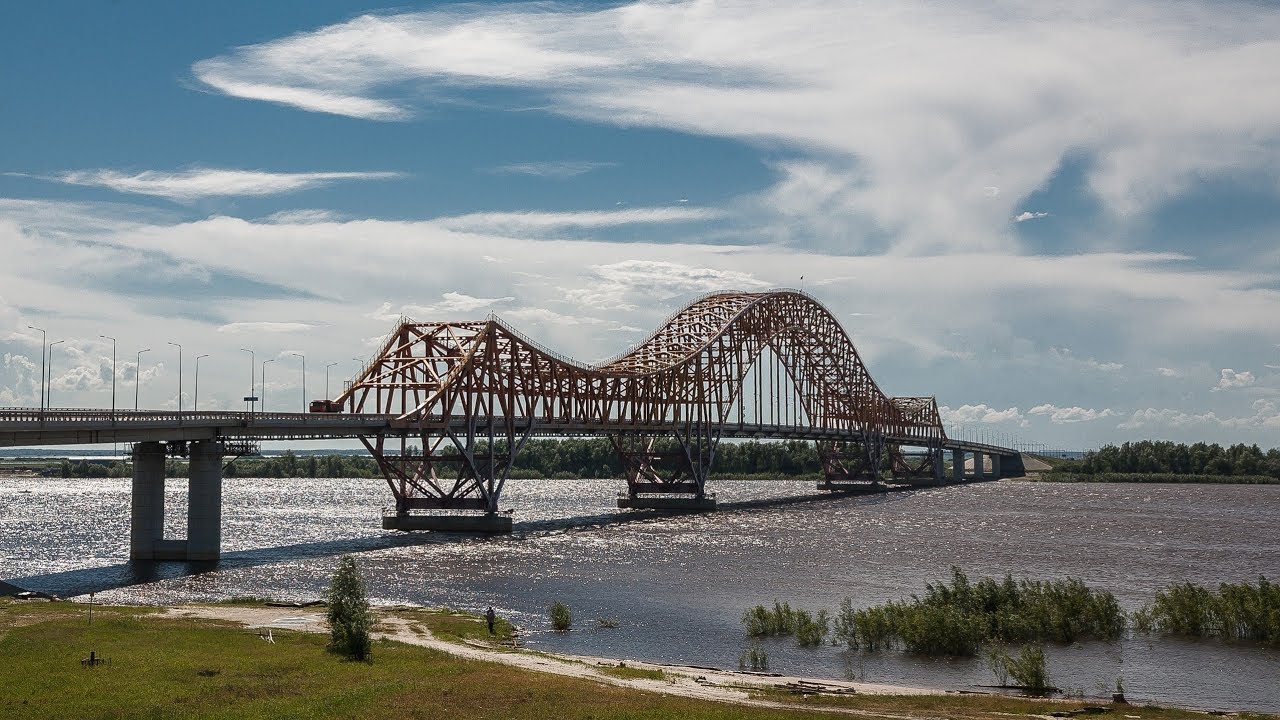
<point>1060,219</point>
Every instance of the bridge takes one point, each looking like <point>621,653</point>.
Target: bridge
<point>445,408</point>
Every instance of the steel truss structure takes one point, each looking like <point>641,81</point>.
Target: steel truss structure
<point>467,395</point>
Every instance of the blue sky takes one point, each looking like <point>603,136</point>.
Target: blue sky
<point>1062,222</point>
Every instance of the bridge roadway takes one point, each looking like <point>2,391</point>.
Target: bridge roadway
<point>30,427</point>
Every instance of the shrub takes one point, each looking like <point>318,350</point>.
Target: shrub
<point>810,630</point>
<point>1236,611</point>
<point>1028,668</point>
<point>561,616</point>
<point>349,618</point>
<point>958,618</point>
<point>754,659</point>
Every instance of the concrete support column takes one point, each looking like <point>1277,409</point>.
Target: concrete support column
<point>204,503</point>
<point>938,469</point>
<point>978,465</point>
<point>995,467</point>
<point>146,516</point>
<point>957,465</point>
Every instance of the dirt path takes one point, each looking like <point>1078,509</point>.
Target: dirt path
<point>691,682</point>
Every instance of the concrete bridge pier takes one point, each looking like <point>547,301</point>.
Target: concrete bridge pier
<point>957,465</point>
<point>146,521</point>
<point>995,466</point>
<point>979,465</point>
<point>204,501</point>
<point>204,504</point>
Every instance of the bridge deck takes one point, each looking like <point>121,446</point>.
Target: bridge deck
<point>27,427</point>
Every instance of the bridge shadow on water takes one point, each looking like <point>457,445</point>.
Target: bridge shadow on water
<point>71,583</point>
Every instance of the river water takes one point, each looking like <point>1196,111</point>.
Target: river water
<point>678,584</point>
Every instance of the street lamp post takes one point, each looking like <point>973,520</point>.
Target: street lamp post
<point>137,378</point>
<point>44,351</point>
<point>196,399</point>
<point>304,379</point>
<point>252,364</point>
<point>326,379</point>
<point>264,383</point>
<point>177,345</point>
<point>48,403</point>
<point>113,375</point>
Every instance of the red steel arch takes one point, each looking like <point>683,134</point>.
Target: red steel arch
<point>736,363</point>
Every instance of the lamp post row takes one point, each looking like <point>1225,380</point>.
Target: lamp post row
<point>255,402</point>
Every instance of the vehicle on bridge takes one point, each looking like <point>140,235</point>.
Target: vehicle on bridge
<point>326,406</point>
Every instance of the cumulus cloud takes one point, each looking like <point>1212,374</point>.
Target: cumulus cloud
<point>1266,416</point>
<point>1064,415</point>
<point>888,109</point>
<point>1231,379</point>
<point>967,414</point>
<point>555,169</point>
<point>198,183</point>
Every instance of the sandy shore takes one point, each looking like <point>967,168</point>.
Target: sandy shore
<point>685,681</point>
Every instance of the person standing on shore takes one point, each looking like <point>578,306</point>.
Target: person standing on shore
<point>489,617</point>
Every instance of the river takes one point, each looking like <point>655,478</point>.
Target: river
<point>677,585</point>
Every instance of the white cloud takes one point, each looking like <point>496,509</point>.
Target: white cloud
<point>304,217</point>
<point>265,327</point>
<point>556,169</point>
<point>1063,415</point>
<point>968,414</point>
<point>1028,215</point>
<point>1232,379</point>
<point>211,182</point>
<point>929,133</point>
<point>513,223</point>
<point>1066,356</point>
<point>626,284</point>
<point>1167,372</point>
<point>1266,417</point>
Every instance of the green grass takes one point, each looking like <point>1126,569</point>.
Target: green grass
<point>632,673</point>
<point>1106,477</point>
<point>454,626</point>
<point>163,668</point>
<point>981,706</point>
<point>180,668</point>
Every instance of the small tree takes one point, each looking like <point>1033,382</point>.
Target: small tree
<point>561,616</point>
<point>349,618</point>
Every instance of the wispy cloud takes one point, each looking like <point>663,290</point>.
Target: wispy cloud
<point>556,169</point>
<point>514,223</point>
<point>265,327</point>
<point>1028,215</point>
<point>838,81</point>
<point>196,183</point>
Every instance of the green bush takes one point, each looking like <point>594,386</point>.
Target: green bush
<point>1236,611</point>
<point>349,618</point>
<point>1028,668</point>
<point>960,617</point>
<point>561,616</point>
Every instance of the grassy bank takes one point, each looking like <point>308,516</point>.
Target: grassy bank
<point>169,668</point>
<point>1140,477</point>
<point>162,668</point>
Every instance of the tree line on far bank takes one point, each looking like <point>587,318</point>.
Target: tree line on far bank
<point>569,458</point>
<point>1164,461</point>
